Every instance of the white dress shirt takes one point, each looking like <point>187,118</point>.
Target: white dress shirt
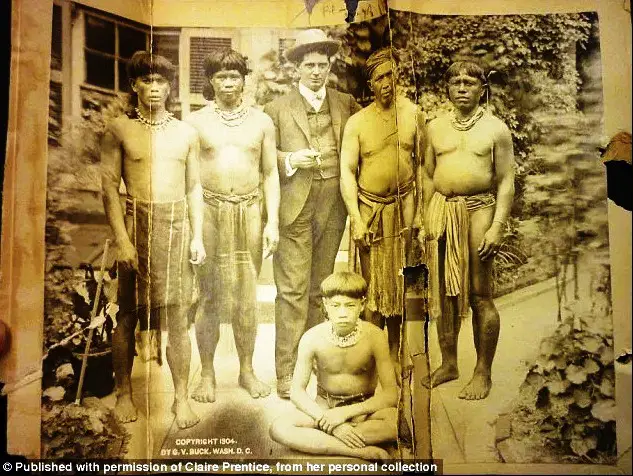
<point>315,99</point>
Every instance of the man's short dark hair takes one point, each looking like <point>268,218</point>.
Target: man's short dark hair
<point>344,283</point>
<point>144,63</point>
<point>223,59</point>
<point>468,67</point>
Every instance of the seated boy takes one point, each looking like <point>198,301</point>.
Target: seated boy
<point>348,356</point>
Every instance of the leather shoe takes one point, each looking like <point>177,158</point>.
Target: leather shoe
<point>283,387</point>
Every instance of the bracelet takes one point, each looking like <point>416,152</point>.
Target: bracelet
<point>499,221</point>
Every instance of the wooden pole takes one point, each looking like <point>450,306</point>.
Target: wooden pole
<point>93,314</point>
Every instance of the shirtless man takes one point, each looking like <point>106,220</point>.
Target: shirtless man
<point>237,144</point>
<point>348,356</point>
<point>380,169</point>
<point>468,192</point>
<point>157,157</point>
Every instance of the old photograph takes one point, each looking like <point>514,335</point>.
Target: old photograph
<point>380,235</point>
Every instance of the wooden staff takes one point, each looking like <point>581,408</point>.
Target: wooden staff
<point>93,314</point>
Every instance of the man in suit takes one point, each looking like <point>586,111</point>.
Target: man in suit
<point>309,122</point>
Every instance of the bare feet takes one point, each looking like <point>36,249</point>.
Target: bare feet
<point>185,417</point>
<point>205,391</point>
<point>373,453</point>
<point>443,374</point>
<point>478,388</point>
<point>253,385</point>
<point>124,408</point>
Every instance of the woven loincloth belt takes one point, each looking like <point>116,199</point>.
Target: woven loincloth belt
<point>387,254</point>
<point>334,400</point>
<point>449,218</point>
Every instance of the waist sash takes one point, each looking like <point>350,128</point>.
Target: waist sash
<point>449,218</point>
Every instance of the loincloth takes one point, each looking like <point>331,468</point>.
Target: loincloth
<point>160,233</point>
<point>232,240</point>
<point>448,218</point>
<point>334,400</point>
<point>387,253</point>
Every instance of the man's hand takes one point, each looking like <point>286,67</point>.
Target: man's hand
<point>349,435</point>
<point>128,257</point>
<point>305,159</point>
<point>197,251</point>
<point>360,233</point>
<point>271,239</point>
<point>333,418</point>
<point>491,242</point>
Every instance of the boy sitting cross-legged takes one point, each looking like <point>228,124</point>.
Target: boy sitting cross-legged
<point>349,357</point>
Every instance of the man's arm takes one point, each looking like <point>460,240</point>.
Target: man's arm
<point>350,156</point>
<point>271,187</point>
<point>504,172</point>
<point>427,170</point>
<point>111,166</point>
<point>301,378</point>
<point>503,154</point>
<point>420,136</point>
<point>194,199</point>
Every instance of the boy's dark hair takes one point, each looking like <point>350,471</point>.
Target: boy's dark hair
<point>223,59</point>
<point>344,283</point>
<point>471,68</point>
<point>143,63</point>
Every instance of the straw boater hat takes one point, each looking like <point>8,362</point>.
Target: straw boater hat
<point>311,40</point>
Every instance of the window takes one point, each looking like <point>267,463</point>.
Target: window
<point>56,40</point>
<point>167,44</point>
<point>199,48</point>
<point>109,45</point>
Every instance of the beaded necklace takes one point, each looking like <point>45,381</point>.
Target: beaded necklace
<point>466,124</point>
<point>153,125</point>
<point>347,340</point>
<point>231,118</point>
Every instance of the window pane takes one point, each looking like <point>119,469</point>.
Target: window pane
<point>168,46</point>
<point>99,34</point>
<point>124,83</point>
<point>131,41</point>
<point>56,40</point>
<point>198,50</point>
<point>99,70</point>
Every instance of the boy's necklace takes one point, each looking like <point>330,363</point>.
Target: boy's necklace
<point>347,340</point>
<point>153,125</point>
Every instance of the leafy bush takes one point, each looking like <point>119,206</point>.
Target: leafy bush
<point>82,431</point>
<point>567,399</point>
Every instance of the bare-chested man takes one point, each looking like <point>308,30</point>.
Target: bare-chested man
<point>157,157</point>
<point>349,356</point>
<point>468,192</point>
<point>237,145</point>
<point>380,171</point>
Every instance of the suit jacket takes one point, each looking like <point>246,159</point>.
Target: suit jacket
<point>293,133</point>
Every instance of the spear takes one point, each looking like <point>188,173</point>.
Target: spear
<point>93,314</point>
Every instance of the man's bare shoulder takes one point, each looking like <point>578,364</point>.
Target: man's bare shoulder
<point>314,335</point>
<point>186,129</point>
<point>198,116</point>
<point>439,123</point>
<point>358,118</point>
<point>119,125</point>
<point>261,117</point>
<point>495,124</point>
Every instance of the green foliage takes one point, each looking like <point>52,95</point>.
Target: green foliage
<point>82,431</point>
<point>567,399</point>
<point>533,59</point>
